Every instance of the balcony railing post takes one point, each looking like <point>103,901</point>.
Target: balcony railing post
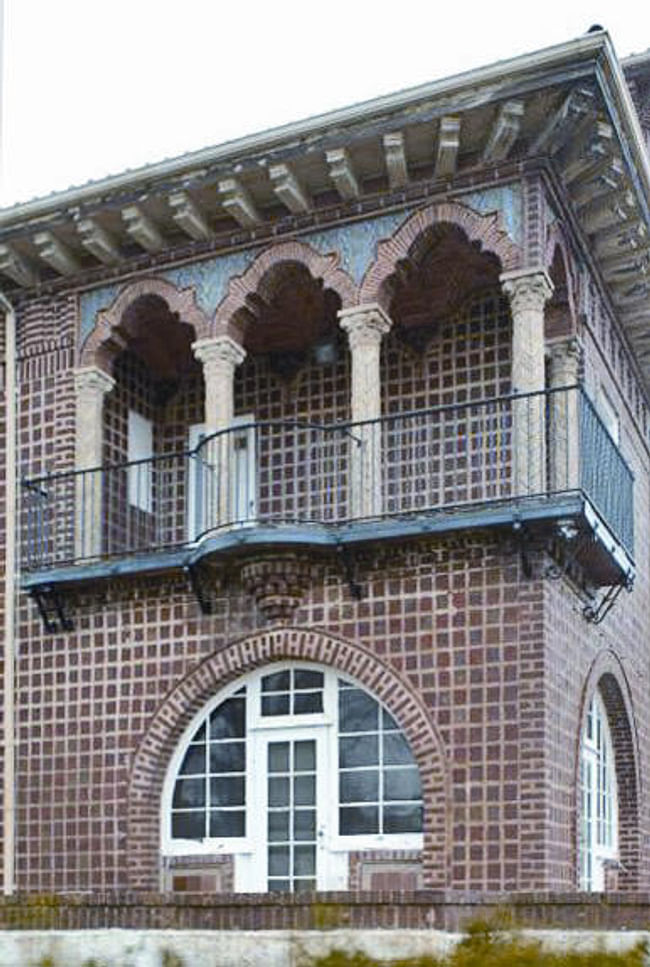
<point>564,416</point>
<point>528,293</point>
<point>91,385</point>
<point>219,357</point>
<point>365,326</point>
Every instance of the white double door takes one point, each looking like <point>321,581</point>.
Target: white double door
<point>291,815</point>
<point>204,505</point>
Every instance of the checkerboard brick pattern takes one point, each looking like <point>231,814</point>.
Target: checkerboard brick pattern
<point>479,652</point>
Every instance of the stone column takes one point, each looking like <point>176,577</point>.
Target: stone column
<point>219,357</point>
<point>564,415</point>
<point>528,293</point>
<point>365,326</point>
<point>91,385</point>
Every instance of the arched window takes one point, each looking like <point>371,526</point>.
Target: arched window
<point>289,770</point>
<point>599,816</point>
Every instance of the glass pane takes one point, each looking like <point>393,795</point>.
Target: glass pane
<point>199,735</point>
<point>277,682</point>
<point>188,825</point>
<point>189,792</point>
<point>304,886</point>
<point>278,754</point>
<point>194,761</point>
<point>308,679</point>
<point>279,886</point>
<point>304,790</point>
<point>362,750</point>
<point>305,756</point>
<point>359,786</point>
<point>228,721</point>
<point>403,819</point>
<point>357,820</point>
<point>227,791</point>
<point>278,792</point>
<point>402,784</point>
<point>278,826</point>
<point>279,860</point>
<point>275,704</point>
<point>306,702</point>
<point>304,860</point>
<point>227,823</point>
<point>389,722</point>
<point>304,824</point>
<point>228,757</point>
<point>358,712</point>
<point>396,751</point>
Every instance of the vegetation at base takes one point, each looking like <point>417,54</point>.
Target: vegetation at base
<point>486,947</point>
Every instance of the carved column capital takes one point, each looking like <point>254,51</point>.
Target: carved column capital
<point>220,351</point>
<point>91,381</point>
<point>565,361</point>
<point>526,290</point>
<point>365,325</point>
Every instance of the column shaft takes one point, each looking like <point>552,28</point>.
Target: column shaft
<point>528,293</point>
<point>91,386</point>
<point>365,326</point>
<point>219,357</point>
<point>564,415</point>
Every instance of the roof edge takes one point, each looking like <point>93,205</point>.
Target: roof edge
<point>588,47</point>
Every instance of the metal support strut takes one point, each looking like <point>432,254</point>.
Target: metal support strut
<point>51,609</point>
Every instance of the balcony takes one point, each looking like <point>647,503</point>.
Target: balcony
<point>529,461</point>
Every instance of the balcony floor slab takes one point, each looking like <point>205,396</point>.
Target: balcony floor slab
<point>529,511</point>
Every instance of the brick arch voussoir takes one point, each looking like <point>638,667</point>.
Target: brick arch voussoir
<point>326,267</point>
<point>181,301</point>
<point>156,748</point>
<point>608,676</point>
<point>485,228</point>
<point>556,240</point>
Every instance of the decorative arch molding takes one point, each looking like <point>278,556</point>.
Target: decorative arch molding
<point>180,301</point>
<point>608,675</point>
<point>556,242</point>
<point>325,267</point>
<point>487,229</point>
<point>152,758</point>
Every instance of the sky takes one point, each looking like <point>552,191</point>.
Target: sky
<point>93,88</point>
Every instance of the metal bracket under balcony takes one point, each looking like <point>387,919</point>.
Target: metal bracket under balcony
<point>537,459</point>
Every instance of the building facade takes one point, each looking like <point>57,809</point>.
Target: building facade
<point>331,528</point>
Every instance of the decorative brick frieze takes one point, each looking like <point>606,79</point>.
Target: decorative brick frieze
<point>323,267</point>
<point>277,583</point>
<point>485,229</point>
<point>179,301</point>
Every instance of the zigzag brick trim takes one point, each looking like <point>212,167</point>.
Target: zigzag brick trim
<point>181,301</point>
<point>487,229</point>
<point>325,267</point>
<point>186,700</point>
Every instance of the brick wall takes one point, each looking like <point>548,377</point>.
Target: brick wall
<point>493,651</point>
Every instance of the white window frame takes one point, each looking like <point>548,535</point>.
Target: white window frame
<point>599,798</point>
<point>249,864</point>
<point>139,475</point>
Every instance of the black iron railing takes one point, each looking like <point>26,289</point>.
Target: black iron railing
<point>527,446</point>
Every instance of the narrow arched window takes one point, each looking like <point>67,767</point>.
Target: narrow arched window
<point>290,771</point>
<point>599,798</point>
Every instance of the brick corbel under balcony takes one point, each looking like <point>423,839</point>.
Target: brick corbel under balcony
<point>277,583</point>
